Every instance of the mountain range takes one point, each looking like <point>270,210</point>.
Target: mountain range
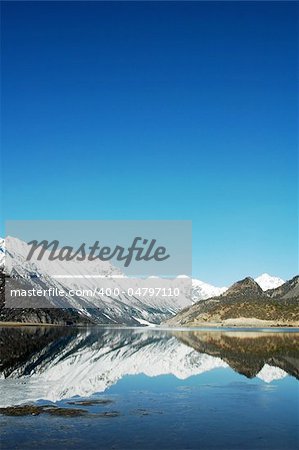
<point>245,303</point>
<point>106,309</point>
<point>136,310</point>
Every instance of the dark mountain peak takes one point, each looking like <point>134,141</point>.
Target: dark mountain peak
<point>290,289</point>
<point>294,281</point>
<point>245,287</point>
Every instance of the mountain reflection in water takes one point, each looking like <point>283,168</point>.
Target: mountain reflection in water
<point>56,363</point>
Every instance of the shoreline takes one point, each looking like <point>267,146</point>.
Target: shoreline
<point>30,324</point>
<point>239,322</point>
<point>204,326</point>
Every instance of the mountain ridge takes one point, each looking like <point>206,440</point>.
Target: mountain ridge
<point>245,304</point>
<point>114,309</point>
<point>117,310</point>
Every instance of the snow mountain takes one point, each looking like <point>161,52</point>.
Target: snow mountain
<point>112,304</point>
<point>267,281</point>
<point>115,307</point>
<point>203,291</point>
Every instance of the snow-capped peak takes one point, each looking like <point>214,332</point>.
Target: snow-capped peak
<point>267,281</point>
<point>202,291</point>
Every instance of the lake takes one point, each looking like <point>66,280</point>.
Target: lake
<point>149,388</point>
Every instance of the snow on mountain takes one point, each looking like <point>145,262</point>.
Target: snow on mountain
<point>270,373</point>
<point>2,253</point>
<point>267,281</point>
<point>90,275</point>
<point>202,291</point>
<point>118,307</point>
<point>17,251</point>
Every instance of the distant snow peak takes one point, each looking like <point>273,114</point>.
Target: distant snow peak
<point>203,291</point>
<point>267,281</point>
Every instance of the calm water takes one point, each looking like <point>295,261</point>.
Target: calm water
<point>164,389</point>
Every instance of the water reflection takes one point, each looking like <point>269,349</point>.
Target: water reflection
<point>58,363</point>
<point>248,352</point>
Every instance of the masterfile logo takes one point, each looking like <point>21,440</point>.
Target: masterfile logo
<point>140,250</point>
<point>148,248</point>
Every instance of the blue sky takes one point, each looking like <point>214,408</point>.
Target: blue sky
<point>158,111</point>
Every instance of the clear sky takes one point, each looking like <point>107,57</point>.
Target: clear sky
<point>170,110</point>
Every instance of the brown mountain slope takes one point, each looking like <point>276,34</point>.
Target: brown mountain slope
<point>290,289</point>
<point>245,304</point>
